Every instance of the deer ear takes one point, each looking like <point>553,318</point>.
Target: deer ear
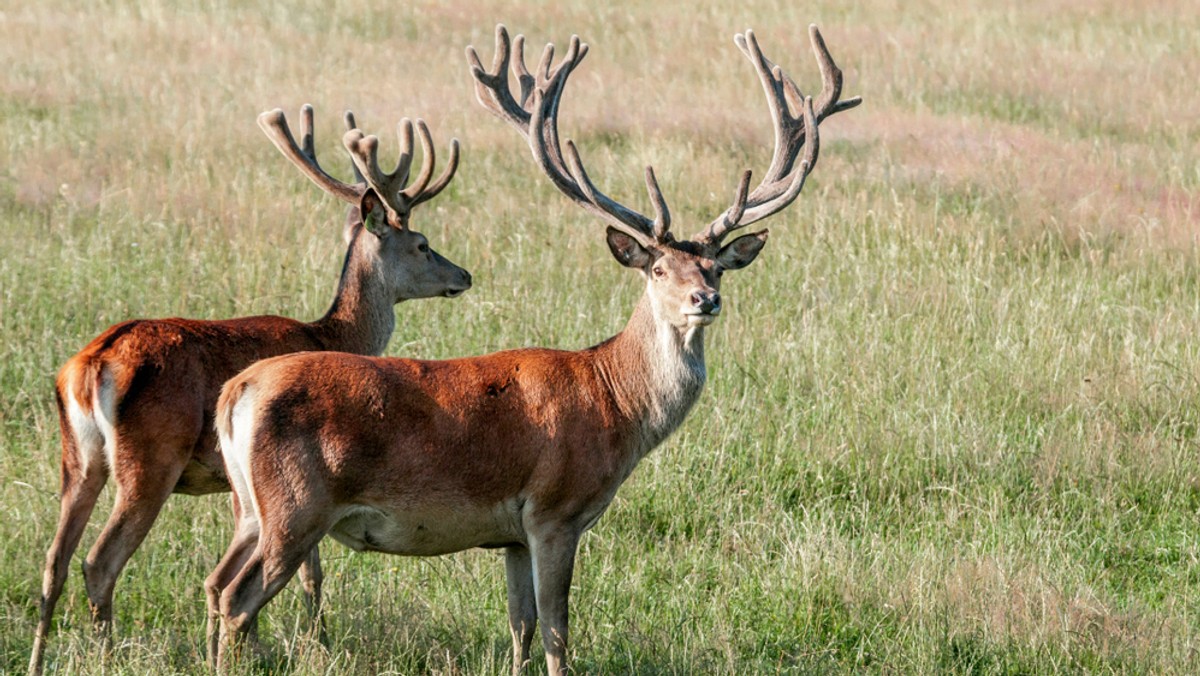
<point>374,214</point>
<point>742,251</point>
<point>627,250</point>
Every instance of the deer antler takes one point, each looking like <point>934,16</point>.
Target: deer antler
<point>304,156</point>
<point>390,186</point>
<point>793,134</point>
<point>535,116</point>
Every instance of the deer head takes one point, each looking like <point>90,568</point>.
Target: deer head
<point>377,226</point>
<point>683,276</point>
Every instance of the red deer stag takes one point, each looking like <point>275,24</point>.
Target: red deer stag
<point>521,449</point>
<point>138,401</point>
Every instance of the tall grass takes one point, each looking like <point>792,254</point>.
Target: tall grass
<point>953,409</point>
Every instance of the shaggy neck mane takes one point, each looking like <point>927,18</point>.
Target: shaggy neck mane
<point>655,372</point>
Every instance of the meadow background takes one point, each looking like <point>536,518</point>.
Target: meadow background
<point>952,419</point>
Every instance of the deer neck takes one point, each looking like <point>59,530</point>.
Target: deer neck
<point>656,373</point>
<point>361,319</point>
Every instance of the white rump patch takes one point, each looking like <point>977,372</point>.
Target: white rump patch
<point>89,440</point>
<point>235,449</point>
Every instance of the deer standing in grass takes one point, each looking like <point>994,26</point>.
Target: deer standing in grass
<point>137,403</point>
<point>522,449</point>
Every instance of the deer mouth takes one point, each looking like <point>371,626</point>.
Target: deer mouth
<point>455,293</point>
<point>702,318</point>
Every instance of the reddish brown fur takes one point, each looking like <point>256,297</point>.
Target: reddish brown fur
<point>169,372</point>
<point>142,393</point>
<point>522,449</point>
<point>424,417</point>
<point>163,378</point>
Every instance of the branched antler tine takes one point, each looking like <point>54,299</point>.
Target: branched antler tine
<point>792,94</point>
<point>365,151</point>
<point>351,125</point>
<point>536,118</point>
<point>483,93</point>
<point>733,215</point>
<point>427,161</point>
<point>543,69</point>
<point>404,131</point>
<point>630,222</point>
<point>831,75</point>
<point>845,104</point>
<point>831,79</point>
<point>553,87</point>
<point>748,43</point>
<point>812,145</point>
<point>662,218</point>
<point>500,60</point>
<point>443,180</point>
<point>739,199</point>
<point>307,146</point>
<point>491,88</point>
<point>362,150</point>
<point>274,124</point>
<point>575,167</point>
<point>771,77</point>
<point>524,78</point>
<point>795,135</point>
<point>558,79</point>
<point>550,160</point>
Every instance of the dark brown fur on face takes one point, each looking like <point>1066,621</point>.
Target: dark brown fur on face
<point>522,449</point>
<point>137,402</point>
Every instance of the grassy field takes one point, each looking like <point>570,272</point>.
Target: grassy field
<point>953,414</point>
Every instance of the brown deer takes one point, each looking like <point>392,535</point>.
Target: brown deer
<point>522,449</point>
<point>138,401</point>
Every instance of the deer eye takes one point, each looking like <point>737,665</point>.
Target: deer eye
<point>422,247</point>
<point>659,272</point>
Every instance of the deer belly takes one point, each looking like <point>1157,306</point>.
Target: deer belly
<point>425,533</point>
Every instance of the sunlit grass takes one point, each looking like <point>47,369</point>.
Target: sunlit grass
<point>952,415</point>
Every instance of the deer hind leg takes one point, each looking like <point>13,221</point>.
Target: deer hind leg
<point>553,556</point>
<point>311,578</point>
<point>245,539</point>
<point>142,490</point>
<point>279,553</point>
<point>522,603</point>
<point>83,476</point>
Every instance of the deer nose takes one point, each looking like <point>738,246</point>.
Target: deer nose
<point>707,301</point>
<point>466,278</point>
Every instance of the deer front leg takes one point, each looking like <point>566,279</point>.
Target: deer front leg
<point>522,603</point>
<point>553,564</point>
